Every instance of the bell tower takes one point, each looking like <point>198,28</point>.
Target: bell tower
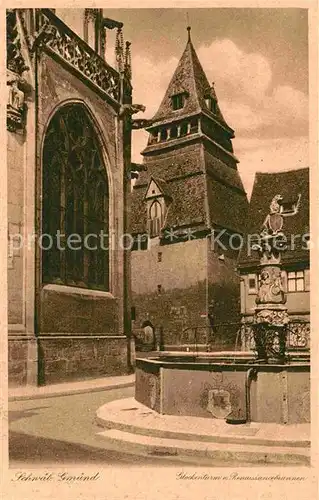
<point>189,157</point>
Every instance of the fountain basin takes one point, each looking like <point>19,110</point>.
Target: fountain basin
<point>225,386</point>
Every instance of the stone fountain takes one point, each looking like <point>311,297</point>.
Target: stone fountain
<point>267,387</point>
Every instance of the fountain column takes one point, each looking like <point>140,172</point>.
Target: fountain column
<point>271,317</point>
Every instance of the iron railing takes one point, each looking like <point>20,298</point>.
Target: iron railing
<point>240,335</point>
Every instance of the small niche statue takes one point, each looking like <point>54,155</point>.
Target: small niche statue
<point>15,96</point>
<point>15,105</point>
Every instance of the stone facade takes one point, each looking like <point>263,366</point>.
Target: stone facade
<point>179,310</point>
<point>62,358</point>
<point>58,332</point>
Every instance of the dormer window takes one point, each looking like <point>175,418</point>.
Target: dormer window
<point>178,101</point>
<point>211,104</point>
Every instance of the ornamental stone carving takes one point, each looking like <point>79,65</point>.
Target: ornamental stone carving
<point>219,404</point>
<point>60,40</point>
<point>272,317</point>
<point>131,109</point>
<point>15,103</point>
<point>15,59</point>
<point>299,335</point>
<point>271,288</point>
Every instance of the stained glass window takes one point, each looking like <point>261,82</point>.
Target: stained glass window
<point>75,203</point>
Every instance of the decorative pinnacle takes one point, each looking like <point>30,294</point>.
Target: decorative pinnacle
<point>189,33</point>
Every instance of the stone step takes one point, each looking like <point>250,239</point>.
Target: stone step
<point>177,448</point>
<point>128,415</point>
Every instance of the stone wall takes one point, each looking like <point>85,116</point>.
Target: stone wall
<point>76,358</point>
<point>147,391</point>
<point>201,388</point>
<point>59,311</point>
<point>190,275</point>
<point>15,167</point>
<point>181,265</point>
<point>22,360</point>
<point>67,309</point>
<point>181,274</point>
<point>171,312</point>
<point>17,359</point>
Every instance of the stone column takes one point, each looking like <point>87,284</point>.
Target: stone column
<point>271,316</point>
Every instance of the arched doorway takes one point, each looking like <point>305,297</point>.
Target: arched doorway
<point>75,207</point>
<point>148,336</point>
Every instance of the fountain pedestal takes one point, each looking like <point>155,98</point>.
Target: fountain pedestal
<point>271,316</point>
<point>270,333</point>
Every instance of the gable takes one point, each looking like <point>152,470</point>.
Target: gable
<point>153,190</point>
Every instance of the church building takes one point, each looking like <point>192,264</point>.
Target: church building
<point>69,127</point>
<point>189,195</point>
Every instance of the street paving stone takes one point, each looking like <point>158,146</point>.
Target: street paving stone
<point>57,431</point>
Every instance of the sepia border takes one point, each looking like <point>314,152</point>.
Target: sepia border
<point>151,483</point>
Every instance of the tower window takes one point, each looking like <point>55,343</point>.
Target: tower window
<point>183,129</point>
<point>159,288</point>
<point>211,104</point>
<point>159,257</point>
<point>173,132</point>
<point>178,101</point>
<point>163,134</point>
<point>155,219</point>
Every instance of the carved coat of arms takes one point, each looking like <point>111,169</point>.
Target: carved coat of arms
<point>219,403</point>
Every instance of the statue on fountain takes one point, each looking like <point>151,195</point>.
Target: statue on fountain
<point>271,316</point>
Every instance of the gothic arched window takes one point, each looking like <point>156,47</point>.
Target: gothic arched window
<point>75,210</point>
<point>155,218</point>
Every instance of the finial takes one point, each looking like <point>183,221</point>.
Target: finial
<point>128,61</point>
<point>189,33</point>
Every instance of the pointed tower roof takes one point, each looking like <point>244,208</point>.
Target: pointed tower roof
<point>189,79</point>
<point>190,148</point>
